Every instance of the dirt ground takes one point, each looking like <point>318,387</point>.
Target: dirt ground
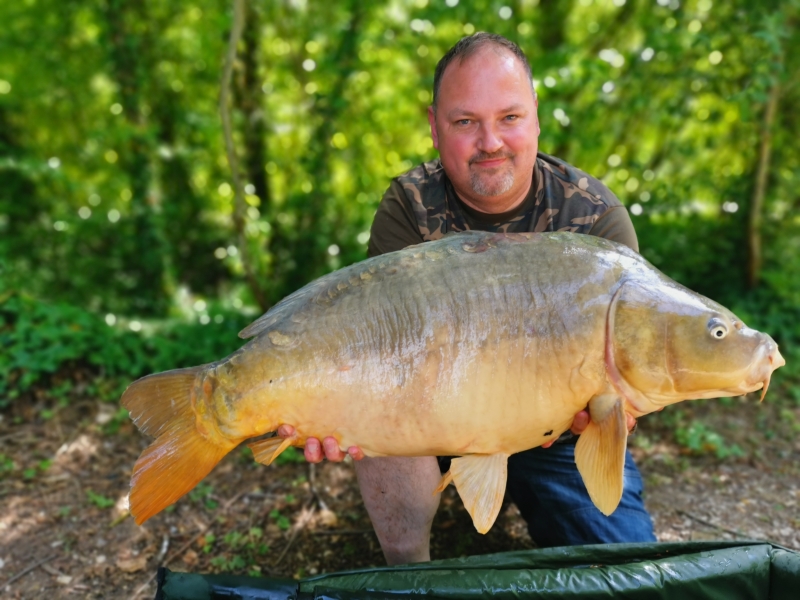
<point>64,530</point>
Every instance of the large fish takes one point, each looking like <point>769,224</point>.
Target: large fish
<point>478,345</point>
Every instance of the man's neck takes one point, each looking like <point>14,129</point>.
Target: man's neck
<point>494,206</point>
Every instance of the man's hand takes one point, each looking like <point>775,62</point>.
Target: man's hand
<point>581,422</point>
<point>329,446</point>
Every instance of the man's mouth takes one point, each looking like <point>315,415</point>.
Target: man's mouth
<point>489,162</point>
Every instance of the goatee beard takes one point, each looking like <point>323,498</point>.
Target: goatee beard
<point>495,186</point>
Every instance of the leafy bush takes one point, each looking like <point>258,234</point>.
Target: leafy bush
<point>38,339</point>
<point>700,439</point>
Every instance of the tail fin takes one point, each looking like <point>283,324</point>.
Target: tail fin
<point>160,405</point>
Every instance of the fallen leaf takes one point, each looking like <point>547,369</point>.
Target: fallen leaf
<point>133,564</point>
<point>327,518</point>
<point>190,558</point>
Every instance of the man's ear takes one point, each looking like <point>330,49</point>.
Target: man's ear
<point>432,121</point>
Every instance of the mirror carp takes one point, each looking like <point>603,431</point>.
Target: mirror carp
<point>478,345</point>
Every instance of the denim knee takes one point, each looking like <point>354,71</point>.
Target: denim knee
<point>547,488</point>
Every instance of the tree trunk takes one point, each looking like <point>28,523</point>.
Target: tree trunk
<point>308,245</point>
<point>756,216</point>
<point>239,205</point>
<point>249,100</point>
<point>146,255</point>
<point>552,21</point>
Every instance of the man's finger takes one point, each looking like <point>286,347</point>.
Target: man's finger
<point>313,451</point>
<point>285,431</point>
<point>332,450</point>
<point>580,422</point>
<point>631,423</point>
<point>355,452</point>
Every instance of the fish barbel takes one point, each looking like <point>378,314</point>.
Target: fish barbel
<point>478,345</point>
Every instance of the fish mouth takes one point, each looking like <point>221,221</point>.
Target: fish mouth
<point>767,360</point>
<point>775,362</point>
<point>756,376</point>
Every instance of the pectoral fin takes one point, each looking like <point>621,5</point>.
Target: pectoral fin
<point>481,482</point>
<point>267,450</point>
<point>446,480</point>
<point>600,452</point>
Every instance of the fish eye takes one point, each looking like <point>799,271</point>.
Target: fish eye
<point>717,329</point>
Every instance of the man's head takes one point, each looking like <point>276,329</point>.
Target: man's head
<point>467,46</point>
<point>484,123</point>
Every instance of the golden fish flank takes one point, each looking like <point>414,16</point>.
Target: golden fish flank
<point>478,345</point>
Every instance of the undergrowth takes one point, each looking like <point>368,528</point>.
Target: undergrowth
<point>43,344</point>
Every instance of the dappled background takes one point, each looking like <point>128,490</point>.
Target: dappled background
<point>135,238</point>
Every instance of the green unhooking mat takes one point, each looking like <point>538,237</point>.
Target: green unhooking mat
<point>748,570</point>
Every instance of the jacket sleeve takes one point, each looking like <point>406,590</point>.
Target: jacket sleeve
<point>394,226</point>
<point>615,225</point>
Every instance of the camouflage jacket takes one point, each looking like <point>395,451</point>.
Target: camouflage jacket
<point>421,205</point>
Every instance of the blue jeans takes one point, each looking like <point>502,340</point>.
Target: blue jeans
<point>545,485</point>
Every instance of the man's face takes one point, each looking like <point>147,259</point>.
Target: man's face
<point>486,129</point>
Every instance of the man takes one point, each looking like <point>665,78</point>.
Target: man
<point>491,177</point>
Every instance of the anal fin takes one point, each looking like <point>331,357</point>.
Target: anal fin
<point>481,482</point>
<point>267,450</point>
<point>600,452</point>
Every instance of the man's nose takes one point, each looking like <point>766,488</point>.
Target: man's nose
<point>489,141</point>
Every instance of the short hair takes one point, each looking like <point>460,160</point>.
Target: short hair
<point>467,46</point>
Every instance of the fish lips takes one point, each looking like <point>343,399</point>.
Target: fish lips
<point>759,372</point>
<point>770,360</point>
<point>756,376</point>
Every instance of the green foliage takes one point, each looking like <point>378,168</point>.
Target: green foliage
<point>228,563</point>
<point>99,500</point>
<point>208,542</point>
<point>31,472</point>
<point>202,494</point>
<point>794,394</point>
<point>6,465</point>
<point>113,425</point>
<point>289,456</point>
<point>700,439</point>
<point>789,417</point>
<point>238,551</point>
<point>111,135</point>
<point>39,339</point>
<point>280,520</point>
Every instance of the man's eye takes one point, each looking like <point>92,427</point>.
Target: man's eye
<point>511,117</point>
<point>463,122</point>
